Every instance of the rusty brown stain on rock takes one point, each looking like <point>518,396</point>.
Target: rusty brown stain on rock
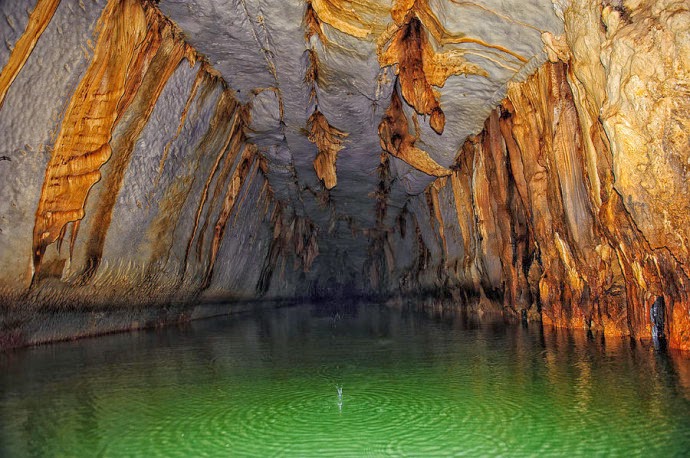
<point>38,21</point>
<point>226,117</point>
<point>396,140</point>
<point>82,145</point>
<point>234,185</point>
<point>200,76</point>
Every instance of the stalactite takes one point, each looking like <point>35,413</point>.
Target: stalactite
<point>329,141</point>
<point>397,140</point>
<point>420,68</point>
<point>294,237</point>
<point>407,51</point>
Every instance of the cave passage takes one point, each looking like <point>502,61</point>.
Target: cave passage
<point>522,158</point>
<point>519,167</point>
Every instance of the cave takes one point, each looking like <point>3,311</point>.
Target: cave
<point>344,227</point>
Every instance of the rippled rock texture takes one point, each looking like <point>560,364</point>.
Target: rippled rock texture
<point>126,169</point>
<point>528,158</point>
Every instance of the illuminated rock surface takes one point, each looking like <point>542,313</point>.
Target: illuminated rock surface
<point>526,158</point>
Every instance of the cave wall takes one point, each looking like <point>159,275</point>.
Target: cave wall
<point>133,173</point>
<point>126,168</point>
<point>555,209</point>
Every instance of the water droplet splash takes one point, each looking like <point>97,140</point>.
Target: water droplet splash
<point>340,397</point>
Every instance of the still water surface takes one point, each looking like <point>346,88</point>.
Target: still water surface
<point>414,383</point>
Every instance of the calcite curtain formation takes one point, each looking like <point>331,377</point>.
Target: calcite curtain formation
<point>525,158</point>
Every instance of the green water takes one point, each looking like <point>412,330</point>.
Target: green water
<point>413,384</point>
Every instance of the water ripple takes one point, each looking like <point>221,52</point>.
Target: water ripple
<point>410,387</point>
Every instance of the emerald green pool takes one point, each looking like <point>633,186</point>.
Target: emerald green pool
<point>414,383</point>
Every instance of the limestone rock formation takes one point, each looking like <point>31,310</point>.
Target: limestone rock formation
<point>527,158</point>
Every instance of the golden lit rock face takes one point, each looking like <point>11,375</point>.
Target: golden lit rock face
<point>529,158</point>
<point>639,89</point>
<point>38,21</point>
<point>573,289</point>
<point>82,146</point>
<point>645,112</point>
<point>539,237</point>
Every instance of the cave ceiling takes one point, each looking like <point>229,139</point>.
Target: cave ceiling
<point>320,77</point>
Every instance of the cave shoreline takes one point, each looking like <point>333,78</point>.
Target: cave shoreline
<point>54,323</point>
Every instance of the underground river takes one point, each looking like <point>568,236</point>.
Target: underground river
<point>344,379</point>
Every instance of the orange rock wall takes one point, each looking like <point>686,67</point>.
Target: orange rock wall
<point>520,226</point>
<point>571,205</point>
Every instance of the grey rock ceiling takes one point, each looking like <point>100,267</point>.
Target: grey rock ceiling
<point>260,48</point>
